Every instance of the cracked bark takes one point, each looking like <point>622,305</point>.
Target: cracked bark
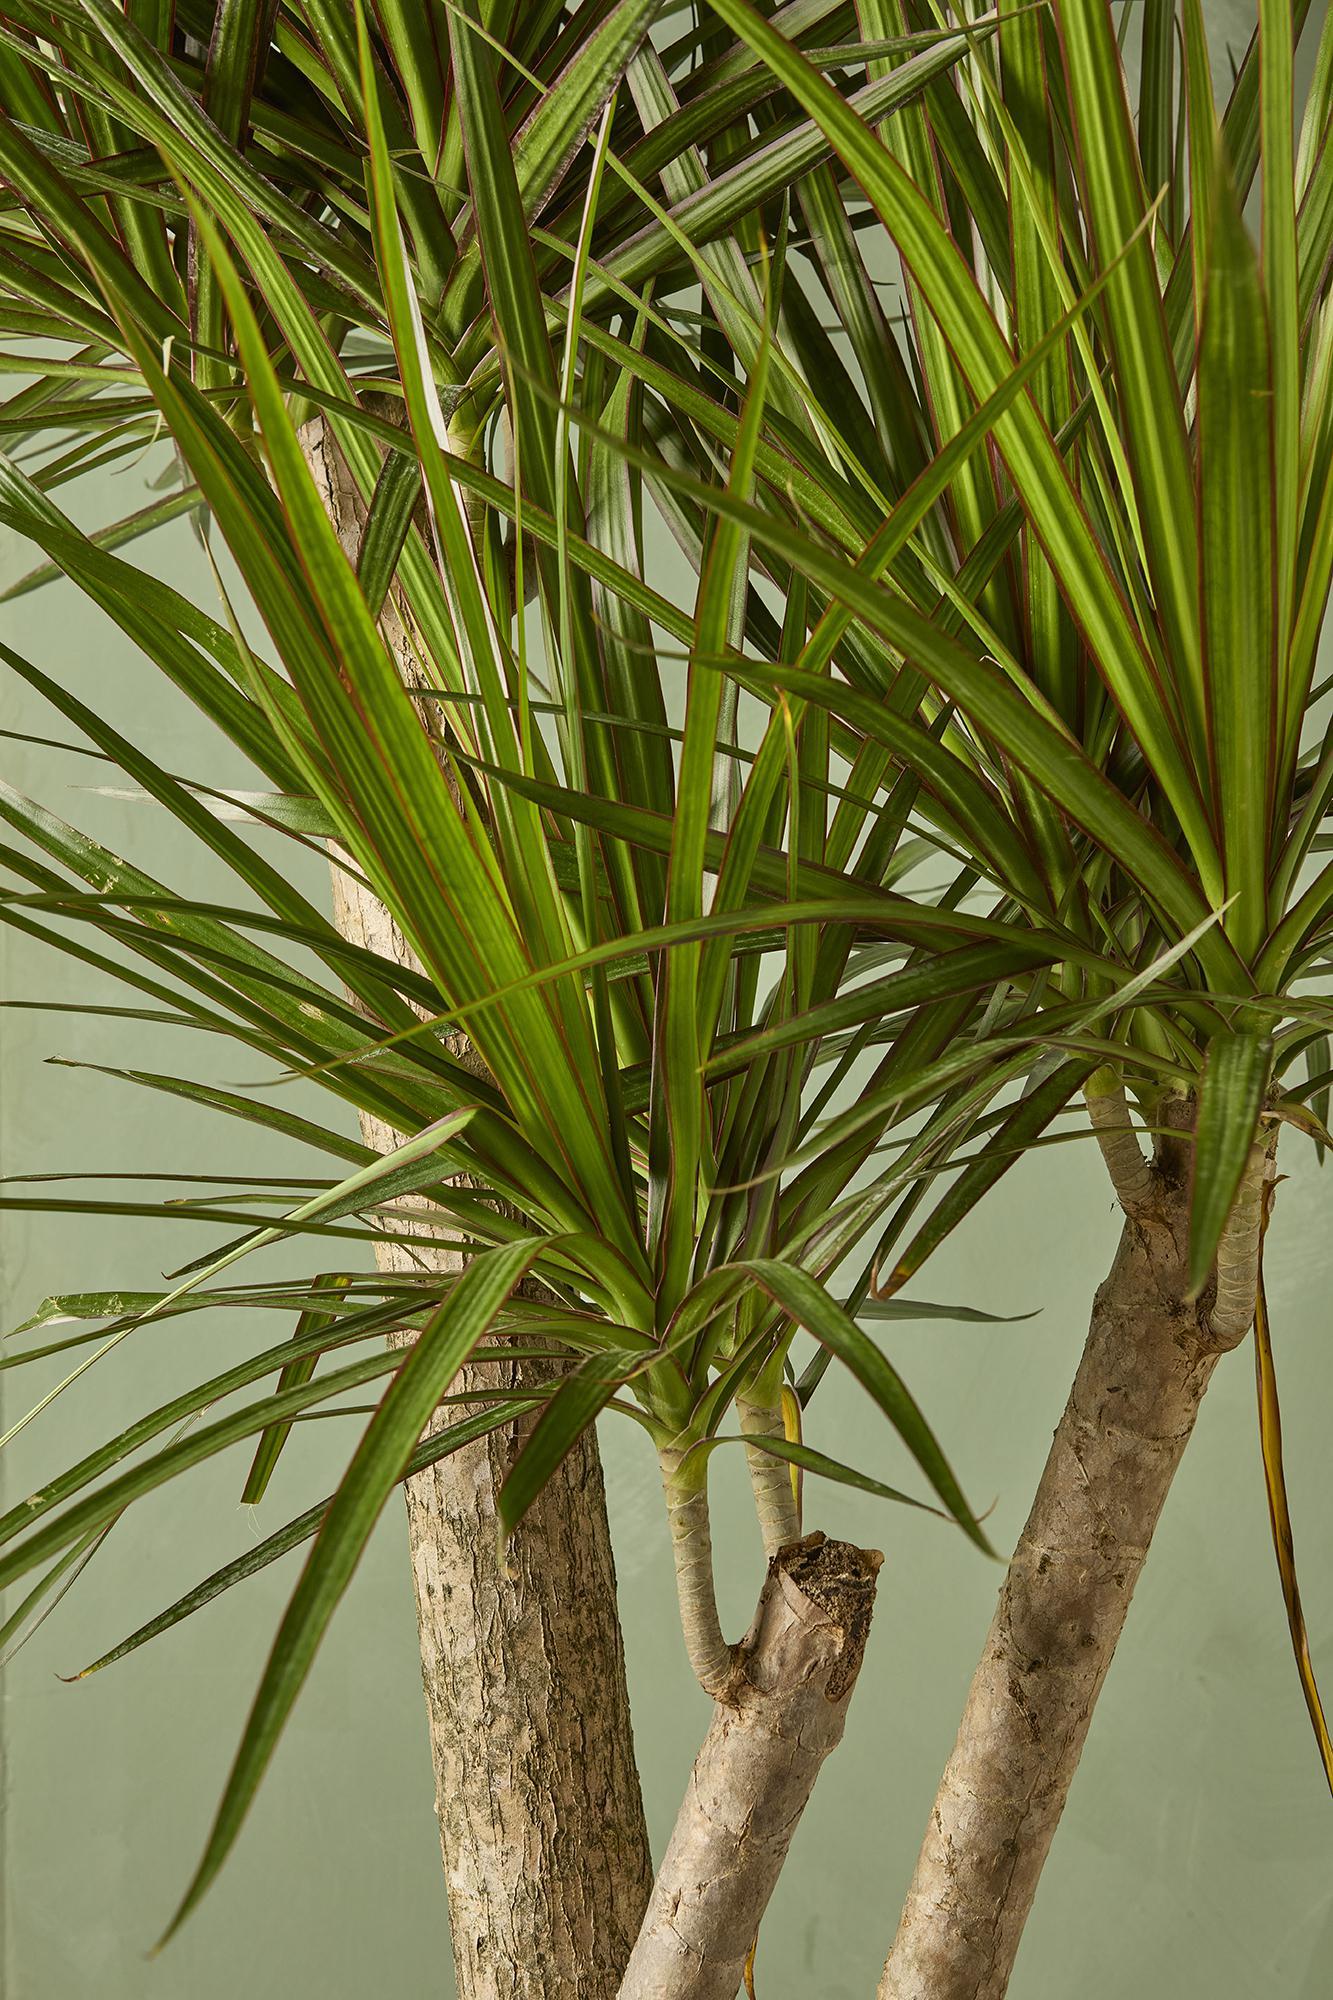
<point>1149,1357</point>
<point>541,1822</point>
<point>777,1717</point>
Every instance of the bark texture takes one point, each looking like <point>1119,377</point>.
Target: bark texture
<point>781,1712</point>
<point>541,1821</point>
<point>1149,1357</point>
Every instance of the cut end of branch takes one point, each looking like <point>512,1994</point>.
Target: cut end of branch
<point>782,1714</point>
<point>838,1580</point>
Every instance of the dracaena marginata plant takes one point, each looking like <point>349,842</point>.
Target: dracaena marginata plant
<point>1016,600</point>
<point>1137,688</point>
<point>430,317</point>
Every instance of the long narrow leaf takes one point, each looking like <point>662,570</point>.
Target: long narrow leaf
<point>375,1469</point>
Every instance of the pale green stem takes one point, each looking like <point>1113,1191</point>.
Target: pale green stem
<point>684,1481</point>
<point>1131,1174</point>
<point>770,1477</point>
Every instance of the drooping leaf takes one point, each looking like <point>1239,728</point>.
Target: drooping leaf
<point>375,1469</point>
<point>798,1294</point>
<point>450,1438</point>
<point>1279,1516</point>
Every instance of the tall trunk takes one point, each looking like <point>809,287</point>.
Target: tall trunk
<point>777,1717</point>
<point>1149,1357</point>
<point>545,1848</point>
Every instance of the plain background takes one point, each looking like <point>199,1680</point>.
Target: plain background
<point>1195,1857</point>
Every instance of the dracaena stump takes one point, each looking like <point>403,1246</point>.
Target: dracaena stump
<point>777,1716</point>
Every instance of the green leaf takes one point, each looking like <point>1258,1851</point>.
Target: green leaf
<point>171,630</point>
<point>269,1448</point>
<point>78,1308</point>
<point>293,910</point>
<point>548,140</point>
<point>1279,1516</point>
<point>1115,203</point>
<point>529,1053</point>
<point>1020,1129</point>
<point>242,30</point>
<point>972,969</point>
<point>1231,1096</point>
<point>793,1452</point>
<point>688,997</point>
<point>1036,220</point>
<point>1157,138</point>
<point>198,1444</point>
<point>1319,1064</point>
<point>1039,475</point>
<point>71,226</point>
<point>576,1402</point>
<point>915,1309</point>
<point>254,1110</point>
<point>388,522</point>
<point>440,1444</point>
<point>1279,290</point>
<point>117,536</point>
<point>415,1163</point>
<point>376,1466</point>
<point>799,1295</point>
<point>1237,532</point>
<point>1205,147</point>
<point>359,1324</point>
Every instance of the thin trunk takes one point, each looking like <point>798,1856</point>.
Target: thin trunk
<point>780,1713</point>
<point>537,1793</point>
<point>1149,1357</point>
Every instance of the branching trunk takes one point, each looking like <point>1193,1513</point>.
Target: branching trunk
<point>537,1793</point>
<point>777,1718</point>
<point>1149,1357</point>
<point>781,1702</point>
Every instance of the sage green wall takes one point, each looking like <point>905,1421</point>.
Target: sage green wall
<point>1195,1858</point>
